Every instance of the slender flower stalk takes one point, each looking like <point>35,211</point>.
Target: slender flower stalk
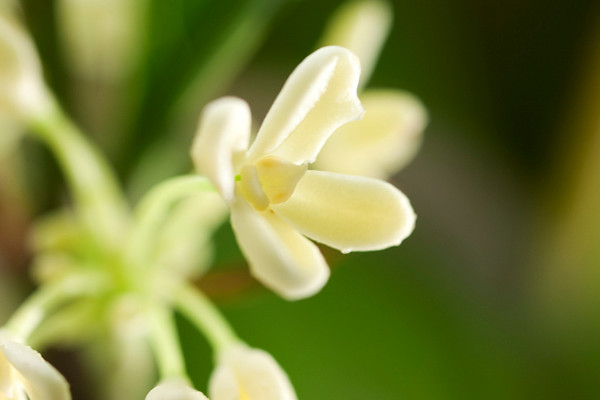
<point>163,335</point>
<point>46,299</point>
<point>202,313</point>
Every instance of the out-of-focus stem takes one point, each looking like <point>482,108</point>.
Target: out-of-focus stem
<point>98,198</point>
<point>47,298</point>
<point>169,357</point>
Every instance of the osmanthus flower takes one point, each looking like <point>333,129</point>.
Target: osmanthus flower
<point>390,133</point>
<point>245,373</point>
<point>24,374</point>
<point>174,389</point>
<point>275,200</point>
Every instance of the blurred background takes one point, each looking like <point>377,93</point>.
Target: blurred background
<point>496,295</point>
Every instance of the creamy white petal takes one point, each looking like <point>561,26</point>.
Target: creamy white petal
<point>279,256</point>
<point>382,142</point>
<point>362,27</point>
<point>349,213</point>
<point>318,97</point>
<point>249,374</point>
<point>174,390</point>
<point>40,380</point>
<point>221,141</point>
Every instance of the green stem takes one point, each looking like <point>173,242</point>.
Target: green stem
<point>202,313</point>
<point>154,208</point>
<point>98,198</point>
<point>46,299</point>
<point>165,341</point>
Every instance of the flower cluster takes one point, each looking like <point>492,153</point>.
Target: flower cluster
<point>314,172</point>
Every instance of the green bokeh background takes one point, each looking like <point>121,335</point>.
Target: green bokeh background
<point>451,313</point>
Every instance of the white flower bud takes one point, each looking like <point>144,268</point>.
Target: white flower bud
<point>249,374</point>
<point>174,390</point>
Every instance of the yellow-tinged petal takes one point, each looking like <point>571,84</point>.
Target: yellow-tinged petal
<point>318,97</point>
<point>279,256</point>
<point>349,213</point>
<point>174,390</point>
<point>221,142</point>
<point>362,27</point>
<point>244,373</point>
<point>278,178</point>
<point>39,379</point>
<point>382,142</point>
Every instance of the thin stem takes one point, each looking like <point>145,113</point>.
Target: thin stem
<point>202,313</point>
<point>98,197</point>
<point>47,298</point>
<point>154,208</point>
<point>165,341</point>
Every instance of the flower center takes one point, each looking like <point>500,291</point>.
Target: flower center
<point>270,180</point>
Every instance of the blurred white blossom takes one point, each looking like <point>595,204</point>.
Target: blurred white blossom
<point>22,90</point>
<point>101,38</point>
<point>361,26</point>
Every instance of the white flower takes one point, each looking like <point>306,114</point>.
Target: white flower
<point>276,200</point>
<point>22,91</point>
<point>24,371</point>
<point>244,373</point>
<point>174,390</point>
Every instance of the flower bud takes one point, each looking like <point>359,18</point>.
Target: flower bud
<point>249,374</point>
<point>174,390</point>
